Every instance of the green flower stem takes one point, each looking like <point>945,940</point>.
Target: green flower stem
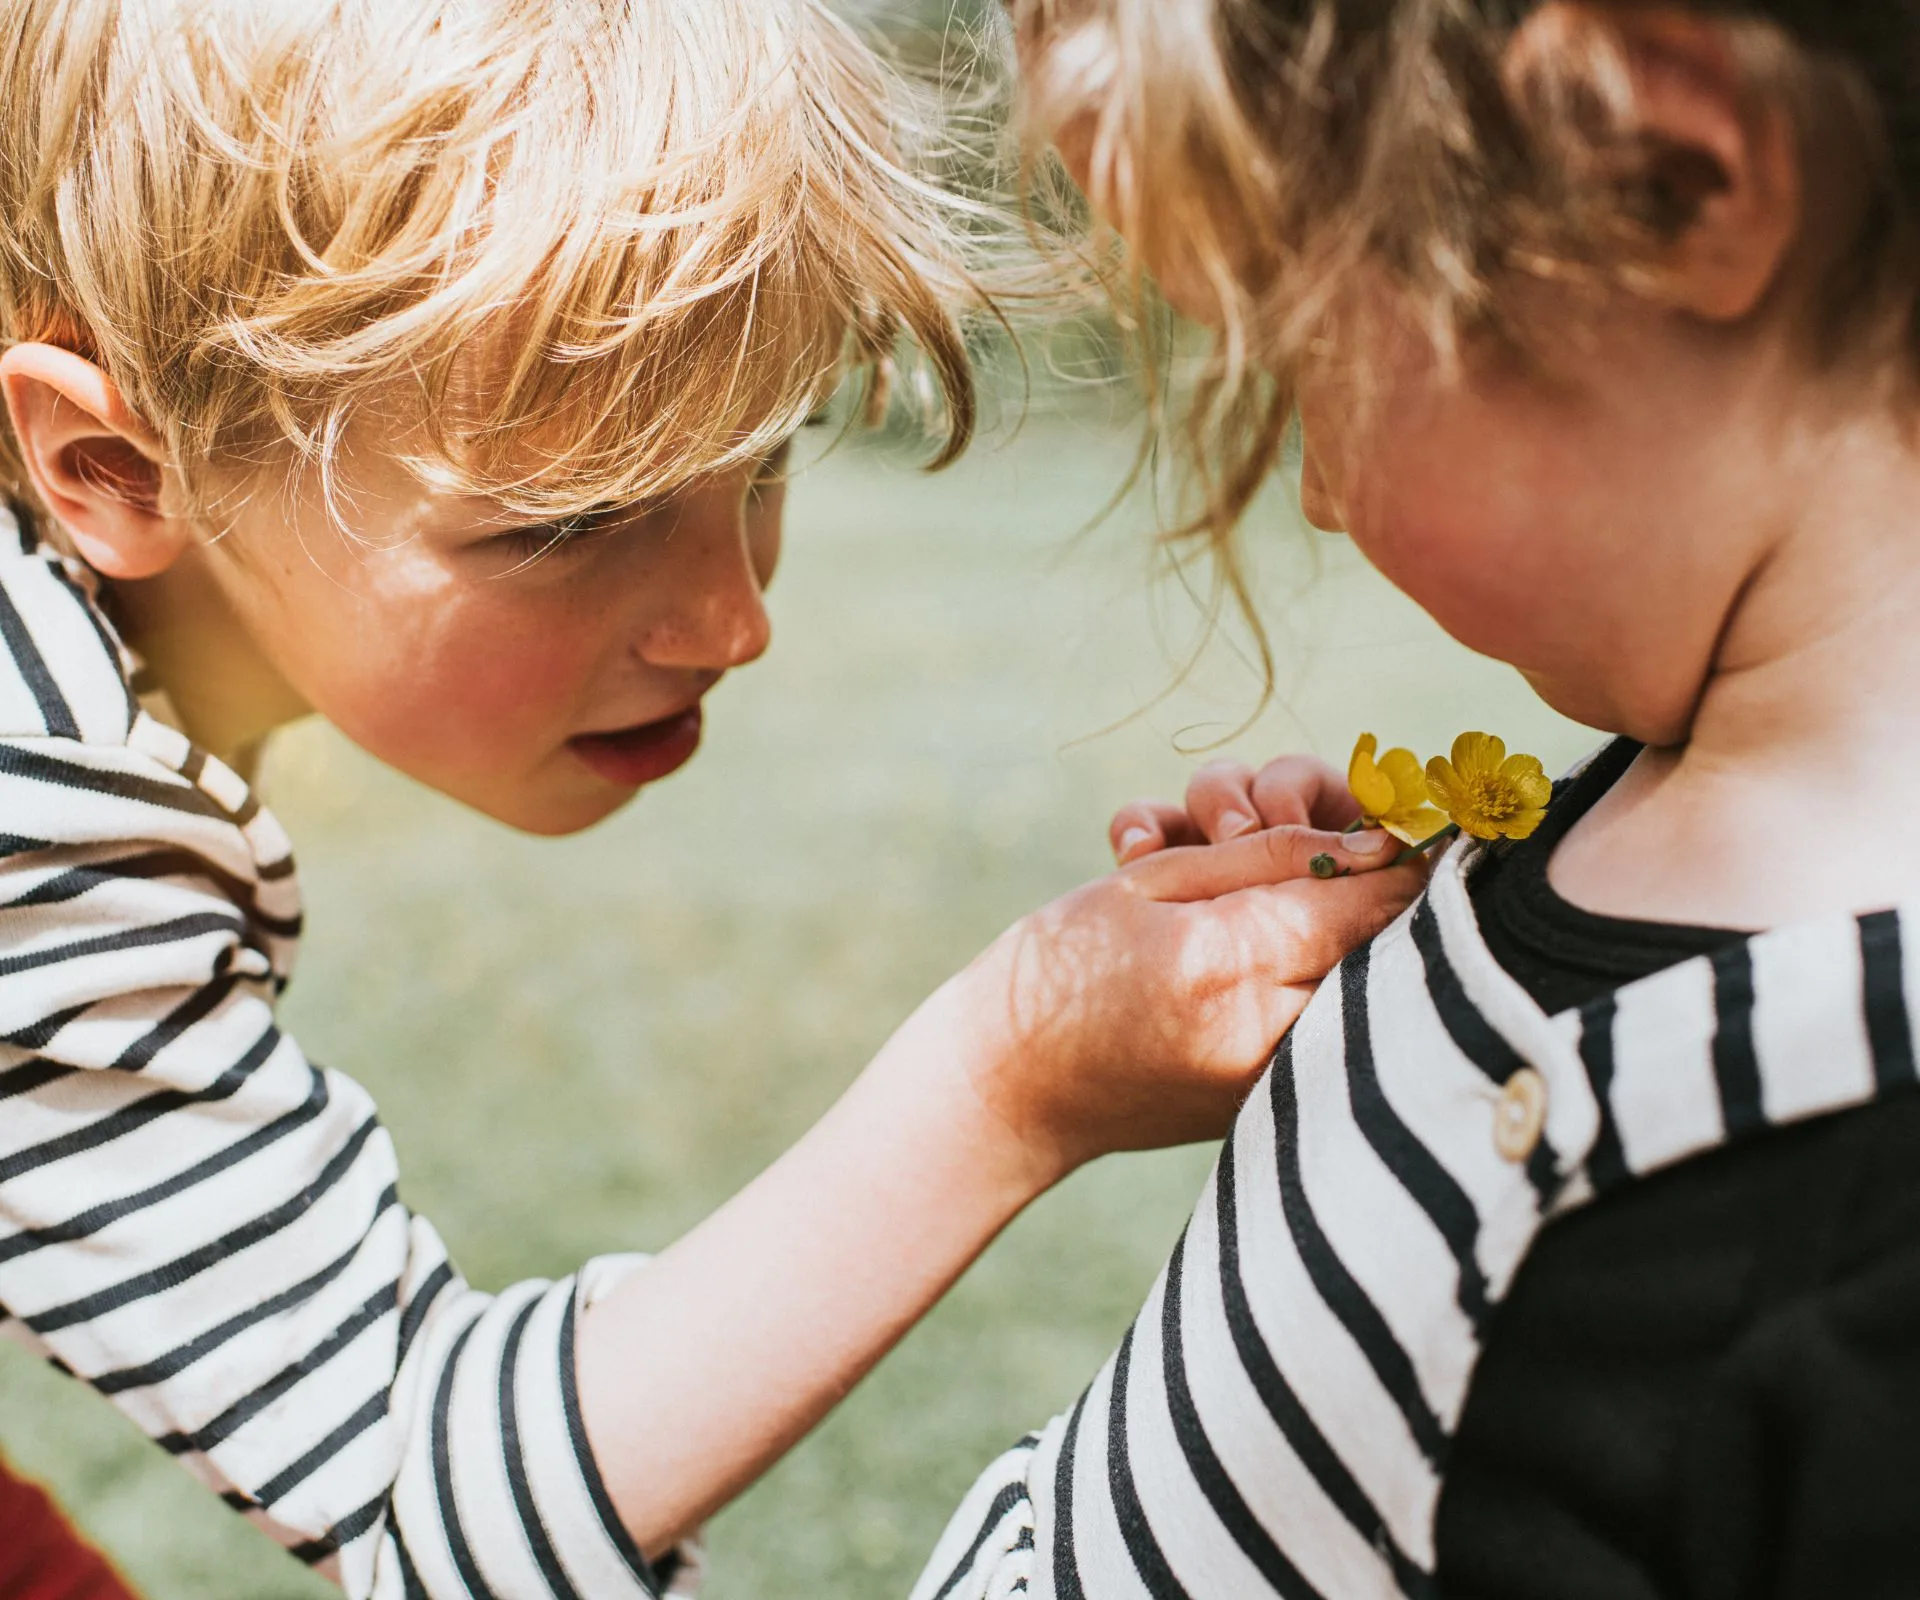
<point>1445,836</point>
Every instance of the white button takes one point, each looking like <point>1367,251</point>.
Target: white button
<point>1521,1115</point>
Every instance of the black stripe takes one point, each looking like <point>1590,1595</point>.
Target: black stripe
<point>274,871</point>
<point>1336,1285</point>
<point>1235,1515</point>
<point>1736,1068</point>
<point>610,1522</point>
<point>366,1415</point>
<point>178,1359</point>
<point>89,1222</point>
<point>1884,994</point>
<point>544,1555</point>
<point>1430,1185</point>
<point>176,930</point>
<point>410,1584</point>
<point>54,710</point>
<point>109,646</point>
<point>249,1406</point>
<point>1607,1161</point>
<point>38,766</point>
<point>1149,1561</point>
<point>38,1035</point>
<point>15,844</point>
<point>184,1268</point>
<point>148,1108</point>
<point>343,1532</point>
<point>202,1003</point>
<point>30,1076</point>
<point>415,1315</point>
<point>1010,1495</point>
<point>1283,1405</point>
<point>77,881</point>
<point>474,1584</point>
<point>1476,1038</point>
<point>1066,1568</point>
<point>1471,1033</point>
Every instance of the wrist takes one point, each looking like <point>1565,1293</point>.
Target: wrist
<point>949,1065</point>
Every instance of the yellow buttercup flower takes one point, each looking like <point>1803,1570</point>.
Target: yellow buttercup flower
<point>1487,792</point>
<point>1392,792</point>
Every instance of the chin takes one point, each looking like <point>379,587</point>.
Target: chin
<point>546,817</point>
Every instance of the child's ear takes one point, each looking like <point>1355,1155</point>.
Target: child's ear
<point>95,466</point>
<point>1722,170</point>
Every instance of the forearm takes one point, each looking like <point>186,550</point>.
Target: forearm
<point>700,1371</point>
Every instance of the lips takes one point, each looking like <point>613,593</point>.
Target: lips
<point>643,754</point>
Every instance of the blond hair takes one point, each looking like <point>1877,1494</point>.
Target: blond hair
<point>579,250</point>
<point>1284,147</point>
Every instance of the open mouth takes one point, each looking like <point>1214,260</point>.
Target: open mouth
<point>643,754</point>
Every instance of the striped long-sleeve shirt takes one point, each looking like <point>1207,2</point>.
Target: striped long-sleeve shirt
<point>204,1226</point>
<point>1277,1421</point>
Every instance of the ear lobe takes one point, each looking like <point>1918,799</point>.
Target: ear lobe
<point>1720,174</point>
<point>95,466</point>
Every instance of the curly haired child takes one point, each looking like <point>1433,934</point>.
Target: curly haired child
<point>1570,1246</point>
<point>430,367</point>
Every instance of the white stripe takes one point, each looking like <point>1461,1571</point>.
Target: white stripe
<point>1105,1565</point>
<point>1809,1028</point>
<point>1314,1352</point>
<point>89,680</point>
<point>586,1550</point>
<point>1665,1102</point>
<point>1282,1494</point>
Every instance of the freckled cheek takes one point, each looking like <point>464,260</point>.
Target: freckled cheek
<point>469,688</point>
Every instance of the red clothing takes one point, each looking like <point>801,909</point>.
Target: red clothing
<point>41,1557</point>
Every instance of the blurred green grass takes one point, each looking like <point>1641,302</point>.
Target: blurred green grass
<point>582,1046</point>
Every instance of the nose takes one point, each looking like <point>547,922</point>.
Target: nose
<point>713,617</point>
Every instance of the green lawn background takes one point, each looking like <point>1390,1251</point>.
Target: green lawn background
<point>582,1046</point>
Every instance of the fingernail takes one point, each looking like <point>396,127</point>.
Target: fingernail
<point>1324,866</point>
<point>1367,844</point>
<point>1131,840</point>
<point>1235,823</point>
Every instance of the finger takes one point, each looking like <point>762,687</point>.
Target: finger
<point>1277,855</point>
<point>1220,800</point>
<point>1303,792</point>
<point>1315,927</point>
<point>1146,826</point>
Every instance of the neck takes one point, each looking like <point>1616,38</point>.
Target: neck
<point>227,695</point>
<point>1788,798</point>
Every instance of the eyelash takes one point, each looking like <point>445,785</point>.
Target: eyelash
<point>545,538</point>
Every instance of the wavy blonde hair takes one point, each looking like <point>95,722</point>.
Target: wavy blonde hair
<point>1280,148</point>
<point>581,250</point>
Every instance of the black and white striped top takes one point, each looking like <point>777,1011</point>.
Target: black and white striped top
<point>1277,1421</point>
<point>203,1226</point>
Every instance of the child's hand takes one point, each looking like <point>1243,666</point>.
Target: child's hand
<point>1137,1011</point>
<point>1227,799</point>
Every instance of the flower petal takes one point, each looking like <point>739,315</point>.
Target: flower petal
<point>1444,785</point>
<point>1369,785</point>
<point>1415,824</point>
<point>1527,780</point>
<point>1523,824</point>
<point>1476,753</point>
<point>1409,779</point>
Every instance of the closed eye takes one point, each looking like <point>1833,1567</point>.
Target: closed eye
<point>538,540</point>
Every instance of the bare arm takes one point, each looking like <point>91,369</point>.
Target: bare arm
<point>1132,1013</point>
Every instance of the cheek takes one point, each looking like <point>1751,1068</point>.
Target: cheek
<point>1464,537</point>
<point>434,674</point>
